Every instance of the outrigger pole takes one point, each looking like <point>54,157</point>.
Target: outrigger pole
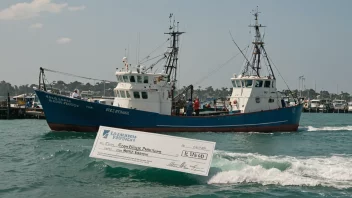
<point>41,79</point>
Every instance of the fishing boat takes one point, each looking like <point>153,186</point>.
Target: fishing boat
<point>146,100</point>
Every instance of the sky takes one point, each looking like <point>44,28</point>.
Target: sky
<point>90,38</point>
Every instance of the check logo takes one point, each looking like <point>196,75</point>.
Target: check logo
<point>106,133</point>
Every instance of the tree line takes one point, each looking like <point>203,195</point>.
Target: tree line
<point>203,93</point>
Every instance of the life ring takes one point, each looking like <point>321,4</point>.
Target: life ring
<point>235,101</point>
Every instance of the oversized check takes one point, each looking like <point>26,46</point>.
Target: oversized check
<point>153,150</point>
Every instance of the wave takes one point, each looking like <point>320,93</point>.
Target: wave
<point>238,168</point>
<point>228,168</point>
<point>327,128</point>
<point>53,135</point>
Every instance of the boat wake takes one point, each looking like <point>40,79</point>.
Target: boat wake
<point>327,128</point>
<point>238,168</point>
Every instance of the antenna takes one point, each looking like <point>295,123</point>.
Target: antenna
<point>255,13</point>
<point>139,46</point>
<point>137,51</point>
<point>128,51</point>
<point>171,14</point>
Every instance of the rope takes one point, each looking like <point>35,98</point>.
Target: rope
<point>151,59</point>
<point>218,68</point>
<point>153,51</point>
<point>281,77</point>
<point>68,74</point>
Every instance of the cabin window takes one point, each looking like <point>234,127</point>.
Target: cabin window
<point>117,93</point>
<point>233,83</point>
<point>128,94</point>
<point>249,83</point>
<point>102,102</point>
<point>272,84</point>
<point>132,79</point>
<point>267,84</point>
<point>123,95</point>
<point>139,79</point>
<point>136,94</point>
<point>271,100</point>
<point>119,78</point>
<point>144,95</point>
<point>238,82</point>
<point>145,79</point>
<point>258,83</point>
<point>125,79</point>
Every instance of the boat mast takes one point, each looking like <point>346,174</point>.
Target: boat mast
<point>258,49</point>
<point>172,59</point>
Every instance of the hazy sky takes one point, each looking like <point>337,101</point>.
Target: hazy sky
<point>89,38</point>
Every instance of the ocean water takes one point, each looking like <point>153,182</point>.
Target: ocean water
<point>314,162</point>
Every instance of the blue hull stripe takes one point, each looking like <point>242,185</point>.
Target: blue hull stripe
<point>239,125</point>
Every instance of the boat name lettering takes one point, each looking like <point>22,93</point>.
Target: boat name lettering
<point>117,111</point>
<point>135,148</point>
<point>63,103</point>
<point>59,99</point>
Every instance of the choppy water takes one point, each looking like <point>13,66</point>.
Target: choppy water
<point>315,162</point>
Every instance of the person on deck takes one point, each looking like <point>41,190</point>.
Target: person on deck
<point>178,106</point>
<point>75,94</point>
<point>196,106</point>
<point>189,110</point>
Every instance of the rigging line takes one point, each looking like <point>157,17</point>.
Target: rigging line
<point>155,49</point>
<point>251,49</point>
<point>68,74</point>
<point>266,64</point>
<point>152,58</point>
<point>218,68</point>
<point>238,47</point>
<point>248,63</point>
<point>281,77</point>
<point>179,63</point>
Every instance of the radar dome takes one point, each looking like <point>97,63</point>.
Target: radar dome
<point>124,59</point>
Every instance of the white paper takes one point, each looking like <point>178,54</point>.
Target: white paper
<point>153,150</point>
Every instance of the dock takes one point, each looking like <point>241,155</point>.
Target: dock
<point>20,113</point>
<point>8,112</point>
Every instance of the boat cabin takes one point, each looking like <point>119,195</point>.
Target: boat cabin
<point>145,91</point>
<point>142,88</point>
<point>253,93</point>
